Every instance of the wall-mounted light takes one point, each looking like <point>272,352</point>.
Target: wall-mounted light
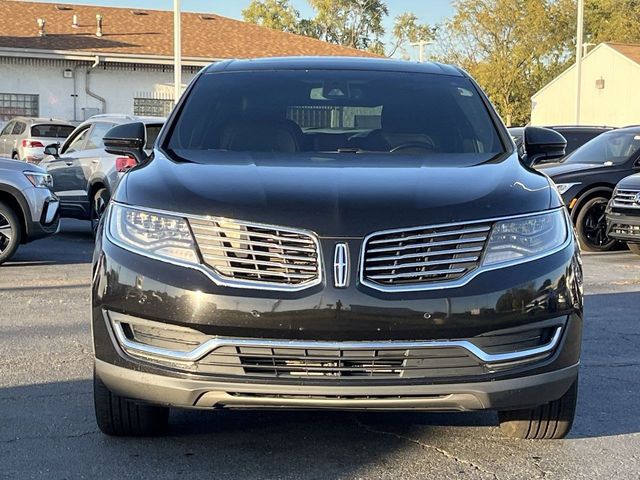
<point>600,83</point>
<point>67,73</point>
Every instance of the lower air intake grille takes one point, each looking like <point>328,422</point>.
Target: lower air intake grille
<point>424,255</point>
<point>259,254</point>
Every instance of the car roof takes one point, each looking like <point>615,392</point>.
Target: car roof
<point>122,118</point>
<point>42,120</point>
<point>333,63</point>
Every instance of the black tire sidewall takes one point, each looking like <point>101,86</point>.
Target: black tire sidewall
<point>12,217</point>
<point>584,243</point>
<point>103,194</point>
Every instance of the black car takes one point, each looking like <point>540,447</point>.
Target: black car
<point>575,135</point>
<point>623,213</point>
<point>336,233</point>
<point>586,179</point>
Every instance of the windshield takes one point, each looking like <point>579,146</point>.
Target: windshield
<point>51,131</point>
<point>611,148</point>
<point>334,112</point>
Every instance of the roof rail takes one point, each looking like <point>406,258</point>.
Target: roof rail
<point>112,115</point>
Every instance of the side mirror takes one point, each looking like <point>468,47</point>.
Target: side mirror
<point>542,144</point>
<point>127,140</point>
<point>53,150</point>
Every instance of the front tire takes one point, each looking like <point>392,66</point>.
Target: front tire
<point>634,247</point>
<point>123,417</point>
<point>98,206</point>
<point>10,232</point>
<point>550,421</point>
<point>591,225</point>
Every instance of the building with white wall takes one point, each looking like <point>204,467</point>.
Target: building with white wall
<point>74,61</point>
<point>610,93</point>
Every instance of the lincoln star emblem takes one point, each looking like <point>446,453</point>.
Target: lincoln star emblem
<point>637,198</point>
<point>341,265</point>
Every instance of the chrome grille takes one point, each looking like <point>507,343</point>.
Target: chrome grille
<point>423,255</point>
<point>256,253</point>
<point>626,199</point>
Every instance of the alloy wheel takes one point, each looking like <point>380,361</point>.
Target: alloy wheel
<point>595,225</point>
<point>6,233</point>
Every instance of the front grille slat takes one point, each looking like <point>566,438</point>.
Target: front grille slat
<point>626,199</point>
<point>259,254</point>
<point>432,235</point>
<point>428,244</point>
<point>420,256</point>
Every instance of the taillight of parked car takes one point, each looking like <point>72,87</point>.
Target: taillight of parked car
<point>124,164</point>
<point>31,144</point>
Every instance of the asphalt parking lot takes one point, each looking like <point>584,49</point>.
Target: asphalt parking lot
<point>47,428</point>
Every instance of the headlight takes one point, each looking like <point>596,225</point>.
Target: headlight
<point>564,187</point>
<point>526,237</point>
<point>39,179</point>
<point>151,234</point>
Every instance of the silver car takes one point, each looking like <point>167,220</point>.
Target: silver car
<point>28,208</point>
<point>24,138</point>
<point>84,174</point>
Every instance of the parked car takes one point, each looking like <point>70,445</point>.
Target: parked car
<point>336,233</point>
<point>586,179</point>
<point>84,175</point>
<point>24,138</point>
<point>576,136</point>
<point>623,213</point>
<point>28,208</point>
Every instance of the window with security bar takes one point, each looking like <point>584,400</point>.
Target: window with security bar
<point>18,105</point>
<point>153,107</point>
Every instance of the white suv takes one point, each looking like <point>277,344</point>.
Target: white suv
<point>24,138</point>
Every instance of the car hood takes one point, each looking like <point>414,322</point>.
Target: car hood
<point>631,182</point>
<point>18,166</point>
<point>340,196</point>
<point>557,169</point>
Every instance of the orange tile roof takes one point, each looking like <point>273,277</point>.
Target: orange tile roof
<point>150,32</point>
<point>629,50</point>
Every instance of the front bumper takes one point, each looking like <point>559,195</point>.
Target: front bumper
<point>515,393</point>
<point>624,227</point>
<point>517,297</point>
<point>44,213</point>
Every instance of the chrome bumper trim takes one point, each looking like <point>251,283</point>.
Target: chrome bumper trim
<point>212,344</point>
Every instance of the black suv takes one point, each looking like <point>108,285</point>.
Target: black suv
<point>336,233</point>
<point>623,213</point>
<point>586,179</point>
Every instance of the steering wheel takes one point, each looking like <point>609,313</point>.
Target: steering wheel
<point>414,145</point>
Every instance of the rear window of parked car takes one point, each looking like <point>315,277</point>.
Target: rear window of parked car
<point>334,111</point>
<point>51,131</point>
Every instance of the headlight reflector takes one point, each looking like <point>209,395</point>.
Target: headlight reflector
<point>564,187</point>
<point>152,234</point>
<point>521,238</point>
<point>39,179</point>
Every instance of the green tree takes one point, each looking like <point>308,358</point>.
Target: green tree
<point>277,14</point>
<point>352,23</point>
<point>512,47</point>
<point>406,30</point>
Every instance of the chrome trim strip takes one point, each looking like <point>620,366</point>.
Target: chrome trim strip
<point>471,275</point>
<point>218,342</point>
<point>202,268</point>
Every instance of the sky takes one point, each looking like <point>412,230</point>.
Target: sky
<point>428,11</point>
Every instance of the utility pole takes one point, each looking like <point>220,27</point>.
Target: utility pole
<point>579,53</point>
<point>177,52</point>
<point>421,46</point>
